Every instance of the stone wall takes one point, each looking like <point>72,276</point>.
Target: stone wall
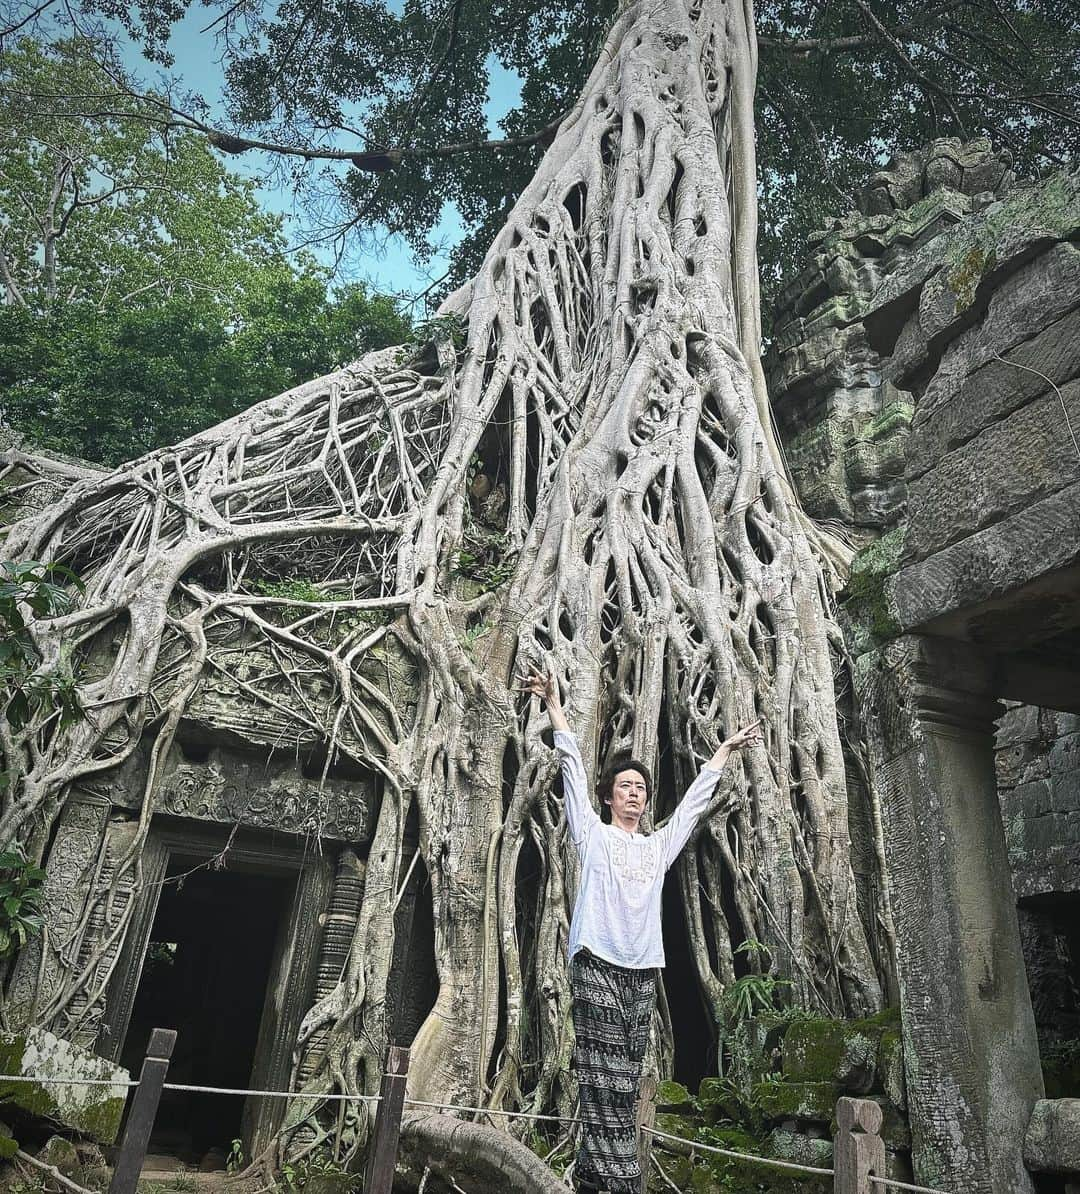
<point>843,422</point>
<point>926,379</point>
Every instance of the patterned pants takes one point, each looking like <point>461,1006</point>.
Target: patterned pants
<point>613,1010</point>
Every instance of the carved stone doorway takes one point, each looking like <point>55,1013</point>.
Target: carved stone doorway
<point>226,955</point>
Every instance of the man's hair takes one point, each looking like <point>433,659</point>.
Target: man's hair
<point>606,784</point>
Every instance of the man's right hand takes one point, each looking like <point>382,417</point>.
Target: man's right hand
<point>544,684</point>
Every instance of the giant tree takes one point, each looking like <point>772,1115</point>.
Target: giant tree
<point>634,527</point>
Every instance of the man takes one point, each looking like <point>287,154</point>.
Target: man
<point>616,946</point>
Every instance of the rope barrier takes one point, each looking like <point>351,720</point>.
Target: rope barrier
<point>727,1152</point>
<point>125,1082</point>
<point>189,1088</point>
<point>888,1181</point>
<point>271,1094</point>
<point>559,1119</point>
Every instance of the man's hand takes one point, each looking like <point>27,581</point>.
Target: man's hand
<point>544,685</point>
<point>748,736</point>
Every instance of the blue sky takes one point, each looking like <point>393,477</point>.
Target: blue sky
<point>390,267</point>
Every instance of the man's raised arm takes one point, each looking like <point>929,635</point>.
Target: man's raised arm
<point>580,814</point>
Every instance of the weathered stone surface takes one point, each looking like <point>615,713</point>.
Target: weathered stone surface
<point>1012,464</point>
<point>940,288</point>
<point>951,414</point>
<point>221,783</point>
<point>991,563</point>
<point>61,1153</point>
<point>93,1110</point>
<point>890,1068</point>
<point>1052,1141</point>
<point>786,1145</point>
<point>969,1034</point>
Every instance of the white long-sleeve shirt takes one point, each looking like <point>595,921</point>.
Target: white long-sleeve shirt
<point>617,915</point>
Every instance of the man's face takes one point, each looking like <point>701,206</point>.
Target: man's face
<point>628,796</point>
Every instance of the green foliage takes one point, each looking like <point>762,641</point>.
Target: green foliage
<point>296,590</point>
<point>317,1171</point>
<point>443,329</point>
<point>836,97</point>
<point>753,994</point>
<point>149,296</point>
<point>28,587</point>
<point>21,891</point>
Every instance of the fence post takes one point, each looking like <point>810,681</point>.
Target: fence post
<point>645,1117</point>
<point>382,1152</point>
<point>139,1120</point>
<point>858,1150</point>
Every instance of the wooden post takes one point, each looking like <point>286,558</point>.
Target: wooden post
<point>139,1120</point>
<point>382,1151</point>
<point>645,1117</point>
<point>858,1150</point>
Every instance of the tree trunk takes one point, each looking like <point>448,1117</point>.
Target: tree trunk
<point>590,476</point>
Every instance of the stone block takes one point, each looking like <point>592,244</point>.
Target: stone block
<point>63,1154</point>
<point>1020,763</point>
<point>796,1100</point>
<point>1029,288</point>
<point>1052,1140</point>
<point>991,563</point>
<point>1019,723</point>
<point>1065,755</point>
<point>786,1145</point>
<point>1065,796</point>
<point>1003,469</point>
<point>95,1111</point>
<point>1028,800</point>
<point>954,409</point>
<point>841,1052</point>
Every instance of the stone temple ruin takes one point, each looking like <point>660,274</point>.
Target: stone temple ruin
<point>924,373</point>
<point>925,376</point>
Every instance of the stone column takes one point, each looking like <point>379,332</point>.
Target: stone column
<point>971,1054</point>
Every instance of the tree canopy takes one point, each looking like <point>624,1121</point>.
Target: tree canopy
<point>386,103</point>
<point>148,294</point>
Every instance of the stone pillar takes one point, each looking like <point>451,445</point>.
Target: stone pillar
<point>971,1054</point>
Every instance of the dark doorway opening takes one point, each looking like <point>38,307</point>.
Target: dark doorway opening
<point>692,1029</point>
<point>695,1041</point>
<point>206,973</point>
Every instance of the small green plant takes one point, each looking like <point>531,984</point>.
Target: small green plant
<point>21,892</point>
<point>235,1162</point>
<point>40,591</point>
<point>473,635</point>
<point>298,1175</point>
<point>753,994</point>
<point>295,590</point>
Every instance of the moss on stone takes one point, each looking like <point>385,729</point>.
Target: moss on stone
<point>866,598</point>
<point>93,1111</point>
<point>836,1051</point>
<point>672,1094</point>
<point>1052,207</point>
<point>797,1100</point>
<point>895,417</point>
